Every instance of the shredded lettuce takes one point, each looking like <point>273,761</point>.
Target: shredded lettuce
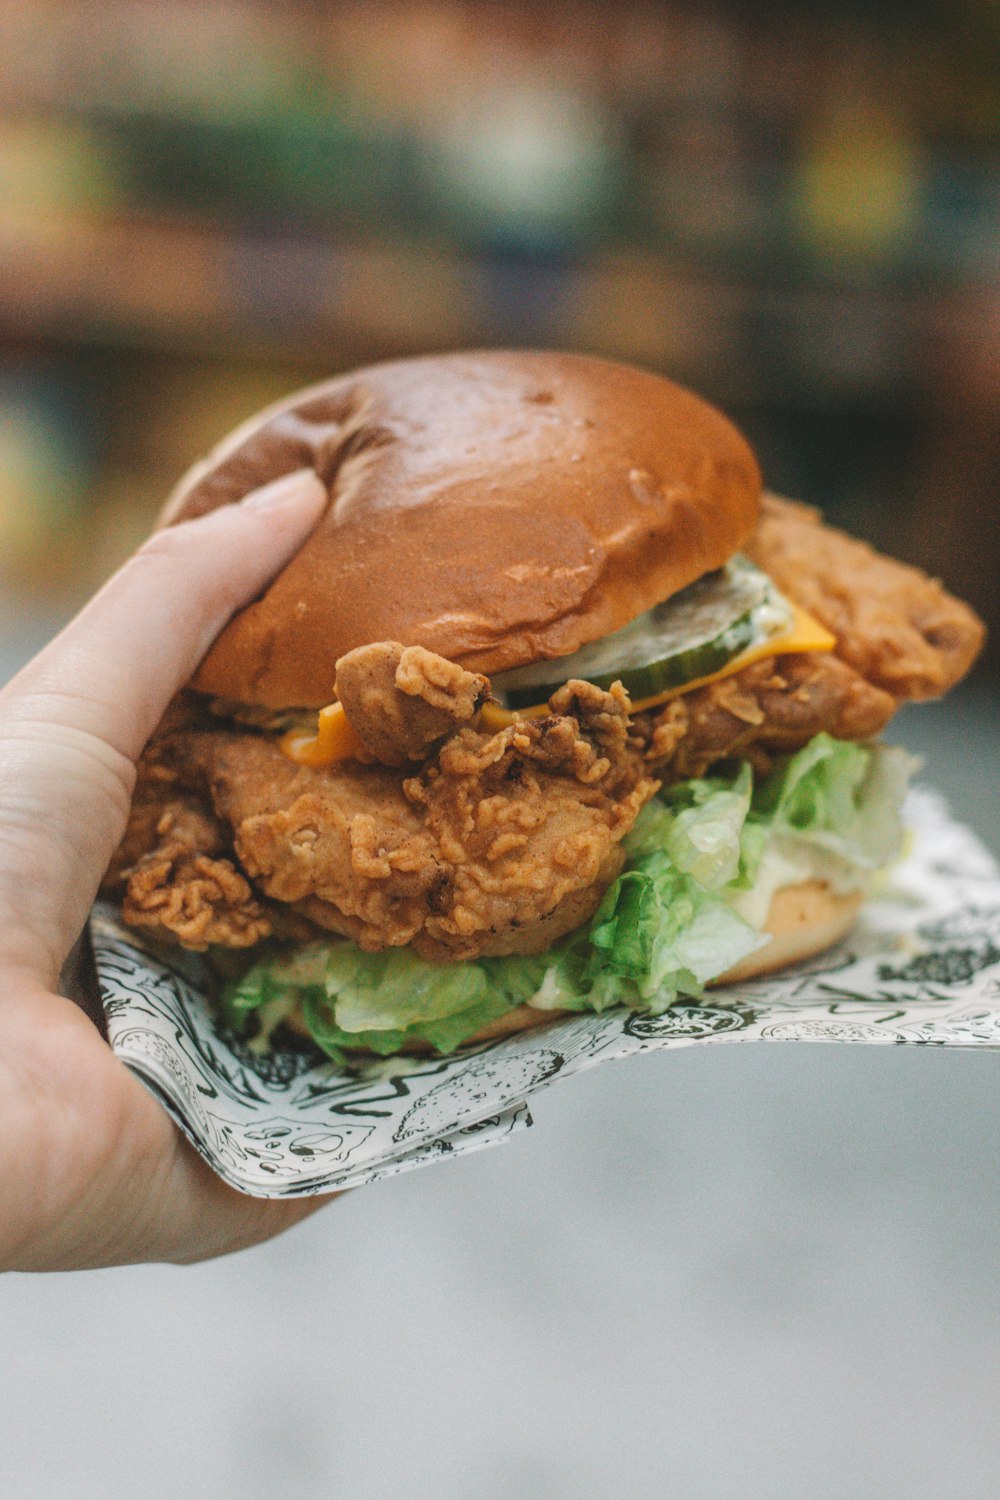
<point>674,919</point>
<point>839,796</point>
<point>704,841</point>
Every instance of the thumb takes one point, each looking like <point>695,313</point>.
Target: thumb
<point>74,721</point>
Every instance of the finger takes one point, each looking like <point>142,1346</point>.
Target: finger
<point>74,720</point>
<point>114,668</point>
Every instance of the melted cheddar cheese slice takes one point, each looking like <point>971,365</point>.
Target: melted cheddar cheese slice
<point>335,739</point>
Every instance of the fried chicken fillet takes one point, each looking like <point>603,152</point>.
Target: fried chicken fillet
<point>487,843</point>
<point>464,842</point>
<point>900,638</point>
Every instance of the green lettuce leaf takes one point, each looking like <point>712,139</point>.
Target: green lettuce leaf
<point>705,839</point>
<point>839,796</point>
<point>665,927</point>
<point>656,935</point>
<point>444,1034</point>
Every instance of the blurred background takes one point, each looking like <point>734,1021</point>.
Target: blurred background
<point>795,208</point>
<point>738,1272</point>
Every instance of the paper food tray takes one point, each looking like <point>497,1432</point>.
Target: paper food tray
<point>922,966</point>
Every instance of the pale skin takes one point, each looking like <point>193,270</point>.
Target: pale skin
<point>92,1171</point>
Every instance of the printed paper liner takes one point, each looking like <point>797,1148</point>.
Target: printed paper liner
<point>923,965</point>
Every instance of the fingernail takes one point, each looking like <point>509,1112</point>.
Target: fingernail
<point>301,484</point>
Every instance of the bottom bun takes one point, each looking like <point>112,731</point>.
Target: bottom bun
<point>802,921</point>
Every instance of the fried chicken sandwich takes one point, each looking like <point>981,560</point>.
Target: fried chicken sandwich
<point>554,711</point>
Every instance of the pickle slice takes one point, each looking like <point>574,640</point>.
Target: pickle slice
<point>697,632</point>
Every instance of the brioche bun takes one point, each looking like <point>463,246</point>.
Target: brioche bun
<point>803,920</point>
<point>498,508</point>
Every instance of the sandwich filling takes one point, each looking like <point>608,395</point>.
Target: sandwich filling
<point>439,849</point>
<point>702,861</point>
<point>712,629</point>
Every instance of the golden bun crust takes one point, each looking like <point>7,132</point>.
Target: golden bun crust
<point>497,507</point>
<point>803,920</point>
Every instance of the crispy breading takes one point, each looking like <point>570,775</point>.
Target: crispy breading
<point>898,628</point>
<point>402,700</point>
<point>498,844</point>
<point>770,708</point>
<point>176,870</point>
<point>199,900</point>
<point>899,636</point>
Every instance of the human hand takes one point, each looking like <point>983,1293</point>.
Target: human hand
<point>92,1171</point>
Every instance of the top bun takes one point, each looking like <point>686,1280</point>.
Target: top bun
<point>496,507</point>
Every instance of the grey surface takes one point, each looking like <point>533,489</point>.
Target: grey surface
<point>746,1271</point>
